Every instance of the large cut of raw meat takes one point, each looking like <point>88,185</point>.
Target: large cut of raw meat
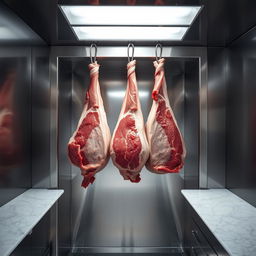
<point>167,149</point>
<point>88,148</point>
<point>129,147</point>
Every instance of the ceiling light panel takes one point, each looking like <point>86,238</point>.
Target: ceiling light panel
<point>131,15</point>
<point>99,33</point>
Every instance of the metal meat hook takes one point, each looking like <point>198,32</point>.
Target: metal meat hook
<point>93,58</point>
<point>128,52</point>
<point>158,57</point>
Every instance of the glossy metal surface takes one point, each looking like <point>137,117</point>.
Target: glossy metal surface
<point>15,168</point>
<point>25,64</point>
<point>192,128</point>
<point>15,61</point>
<point>217,105</point>
<point>40,117</point>
<point>13,31</point>
<point>228,20</point>
<point>23,54</point>
<point>241,121</point>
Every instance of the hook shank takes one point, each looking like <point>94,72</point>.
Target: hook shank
<point>93,58</point>
<point>128,52</point>
<point>158,57</point>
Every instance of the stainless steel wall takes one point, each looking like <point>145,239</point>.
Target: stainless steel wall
<point>40,117</point>
<point>192,123</point>
<point>241,137</point>
<point>18,73</point>
<point>24,121</point>
<point>64,131</point>
<point>15,85</point>
<point>216,150</point>
<point>231,117</point>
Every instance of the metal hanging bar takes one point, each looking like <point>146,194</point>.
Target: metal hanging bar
<point>130,45</point>
<point>158,57</point>
<point>93,58</point>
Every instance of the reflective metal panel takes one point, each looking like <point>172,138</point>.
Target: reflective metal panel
<point>40,114</point>
<point>15,131</point>
<point>228,20</point>
<point>24,121</point>
<point>192,127</point>
<point>216,117</point>
<point>13,31</point>
<point>241,137</point>
<point>64,131</point>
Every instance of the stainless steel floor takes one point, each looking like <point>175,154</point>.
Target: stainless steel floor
<point>115,210</point>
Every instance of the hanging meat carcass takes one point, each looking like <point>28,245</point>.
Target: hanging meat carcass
<point>129,147</point>
<point>88,148</point>
<point>167,149</point>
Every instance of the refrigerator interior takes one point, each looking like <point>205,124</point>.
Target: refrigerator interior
<point>114,215</point>
<point>212,97</point>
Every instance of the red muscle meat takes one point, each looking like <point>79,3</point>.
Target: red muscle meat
<point>167,149</point>
<point>88,148</point>
<point>129,146</point>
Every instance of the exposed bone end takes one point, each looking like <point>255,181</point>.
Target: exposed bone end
<point>155,95</point>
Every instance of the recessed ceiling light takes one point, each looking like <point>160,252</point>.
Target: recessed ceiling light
<point>131,15</point>
<point>98,33</point>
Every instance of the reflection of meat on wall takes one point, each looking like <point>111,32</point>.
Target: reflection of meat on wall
<point>94,2</point>
<point>8,148</point>
<point>159,2</point>
<point>131,2</point>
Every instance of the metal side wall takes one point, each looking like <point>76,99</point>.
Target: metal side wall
<point>24,122</point>
<point>217,105</point>
<point>231,117</point>
<point>241,117</point>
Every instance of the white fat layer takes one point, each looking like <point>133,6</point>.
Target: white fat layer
<point>160,149</point>
<point>94,148</point>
